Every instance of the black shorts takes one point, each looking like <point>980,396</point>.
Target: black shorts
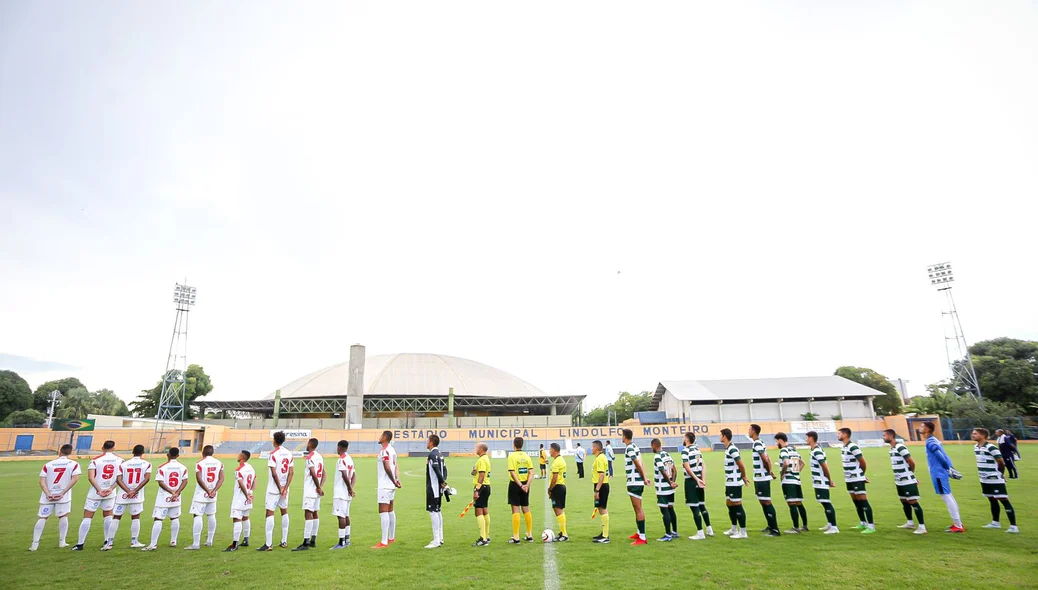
<point>516,495</point>
<point>483,497</point>
<point>432,503</point>
<point>558,496</point>
<point>694,495</point>
<point>602,502</point>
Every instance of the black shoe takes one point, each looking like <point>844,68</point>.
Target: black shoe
<point>481,543</point>
<point>313,542</point>
<point>284,545</point>
<point>561,538</point>
<point>231,547</point>
<point>265,547</point>
<point>601,539</point>
<point>244,542</point>
<point>514,541</point>
<point>765,529</point>
<point>304,547</point>
<point>597,537</point>
<point>529,539</point>
<point>771,533</point>
<point>77,548</point>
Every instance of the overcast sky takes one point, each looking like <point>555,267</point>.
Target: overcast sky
<point>593,196</point>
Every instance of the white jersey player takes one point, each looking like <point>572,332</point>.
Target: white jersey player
<point>134,474</point>
<point>241,504</point>
<point>345,478</point>
<point>56,480</point>
<point>172,480</point>
<point>279,478</point>
<point>388,483</point>
<point>208,480</point>
<point>101,473</point>
<point>313,483</point>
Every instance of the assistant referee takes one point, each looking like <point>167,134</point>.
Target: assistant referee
<point>600,479</point>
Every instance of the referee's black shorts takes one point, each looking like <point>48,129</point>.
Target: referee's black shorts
<point>483,498</point>
<point>558,496</point>
<point>516,495</point>
<point>602,503</point>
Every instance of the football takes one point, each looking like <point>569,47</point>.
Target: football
<point>548,536</point>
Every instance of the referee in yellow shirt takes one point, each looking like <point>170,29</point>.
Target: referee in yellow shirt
<point>481,494</point>
<point>544,461</point>
<point>600,479</point>
<point>557,489</point>
<point>520,470</point>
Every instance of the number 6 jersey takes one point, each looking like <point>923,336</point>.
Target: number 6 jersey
<point>172,473</point>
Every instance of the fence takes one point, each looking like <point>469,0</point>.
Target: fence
<point>1023,427</point>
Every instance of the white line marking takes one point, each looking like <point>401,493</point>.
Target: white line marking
<point>551,570</point>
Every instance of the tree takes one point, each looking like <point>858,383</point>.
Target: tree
<point>75,404</point>
<point>41,397</point>
<point>1007,369</point>
<point>196,384</point>
<point>624,407</point>
<point>107,403</point>
<point>15,393</point>
<point>940,402</point>
<point>28,417</point>
<point>887,404</point>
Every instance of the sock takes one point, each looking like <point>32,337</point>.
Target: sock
<point>772,515</point>
<point>308,526</point>
<point>269,526</point>
<point>995,509</point>
<point>641,530</point>
<point>196,531</point>
<point>342,536</point>
<point>529,523</point>
<point>562,524</point>
<point>830,513</point>
<point>84,530</point>
<point>803,514</point>
<point>482,524</point>
<point>953,508</point>
<point>107,523</point>
<point>314,527</point>
<point>515,525</point>
<point>348,532</point>
<point>236,532</point>
<point>795,515</point>
<point>383,518</point>
<point>907,509</point>
<point>438,527</point>
<point>486,523</point>
<point>1010,513</point>
<point>174,529</point>
<point>673,519</point>
<point>210,531</point>
<point>706,515</point>
<point>246,528</point>
<point>666,519</point>
<point>918,508</point>
<point>113,528</point>
<point>866,509</point>
<point>284,528</point>
<point>62,530</point>
<point>860,509</point>
<point>135,530</point>
<point>740,514</point>
<point>696,516</point>
<point>37,530</point>
<point>605,525</point>
<point>732,517</point>
<point>156,530</point>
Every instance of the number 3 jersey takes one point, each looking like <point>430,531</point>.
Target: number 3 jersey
<point>133,472</point>
<point>210,470</point>
<point>281,460</point>
<point>172,474</point>
<point>58,473</point>
<point>106,469</point>
<point>247,476</point>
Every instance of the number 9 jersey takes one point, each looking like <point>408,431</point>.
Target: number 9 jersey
<point>106,469</point>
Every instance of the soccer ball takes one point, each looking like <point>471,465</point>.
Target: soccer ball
<point>548,536</point>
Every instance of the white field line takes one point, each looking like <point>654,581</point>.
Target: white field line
<point>551,570</point>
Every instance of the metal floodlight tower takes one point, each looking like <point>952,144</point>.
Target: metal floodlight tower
<point>959,359</point>
<point>172,403</point>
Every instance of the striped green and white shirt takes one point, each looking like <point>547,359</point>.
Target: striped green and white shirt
<point>634,477</point>
<point>987,463</point>
<point>694,457</point>
<point>790,458</point>
<point>818,478</point>
<point>850,453</point>
<point>903,476</point>
<point>759,473</point>
<point>732,476</point>
<point>663,462</point>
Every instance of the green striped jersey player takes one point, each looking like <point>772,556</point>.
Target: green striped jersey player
<point>790,466</point>
<point>992,484</point>
<point>903,465</point>
<point>695,486</point>
<point>854,467</point>
<point>822,481</point>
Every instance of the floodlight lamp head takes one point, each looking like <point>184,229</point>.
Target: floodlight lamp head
<point>941,275</point>
<point>184,296</point>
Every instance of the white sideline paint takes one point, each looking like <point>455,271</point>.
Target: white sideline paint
<point>551,570</point>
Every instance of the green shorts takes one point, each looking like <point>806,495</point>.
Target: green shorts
<point>908,491</point>
<point>635,491</point>
<point>694,495</point>
<point>792,492</point>
<point>733,493</point>
<point>762,489</point>
<point>822,495</point>
<point>994,490</point>
<point>856,487</point>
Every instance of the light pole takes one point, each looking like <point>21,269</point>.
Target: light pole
<point>955,347</point>
<point>172,403</point>
<point>54,397</point>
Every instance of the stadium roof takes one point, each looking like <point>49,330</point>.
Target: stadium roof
<point>784,388</point>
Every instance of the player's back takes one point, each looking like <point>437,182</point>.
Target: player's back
<point>133,471</point>
<point>209,468</point>
<point>344,464</point>
<point>387,454</point>
<point>56,475</point>
<point>521,463</point>
<point>106,469</point>
<point>314,461</point>
<point>172,474</point>
<point>247,475</point>
<point>281,460</point>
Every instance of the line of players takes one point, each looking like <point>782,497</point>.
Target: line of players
<point>117,488</point>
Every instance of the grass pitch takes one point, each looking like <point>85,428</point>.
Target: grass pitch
<point>890,558</point>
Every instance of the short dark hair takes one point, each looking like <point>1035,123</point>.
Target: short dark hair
<point>138,450</point>
<point>628,433</point>
<point>890,431</point>
<point>596,442</point>
<point>781,436</point>
<point>435,438</point>
<point>930,425</point>
<point>279,438</point>
<point>66,449</point>
<point>811,434</point>
<point>344,444</point>
<point>727,433</point>
<point>656,441</point>
<point>108,446</point>
<point>173,452</point>
<point>555,447</point>
<point>517,442</point>
<point>247,454</point>
<point>388,434</point>
<point>755,428</point>
<point>690,437</point>
<point>542,445</point>
<point>983,431</point>
<point>207,451</point>
<point>846,431</point>
<point>578,444</point>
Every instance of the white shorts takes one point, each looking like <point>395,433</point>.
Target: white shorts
<point>276,501</point>
<point>240,514</point>
<point>312,504</point>
<point>200,508</point>
<point>161,512</point>
<point>340,507</point>
<point>385,495</point>
<point>104,504</point>
<point>134,509</point>
<point>61,510</point>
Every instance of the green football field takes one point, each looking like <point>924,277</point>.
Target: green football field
<point>892,557</point>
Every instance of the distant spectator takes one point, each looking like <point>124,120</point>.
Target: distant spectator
<point>1008,451</point>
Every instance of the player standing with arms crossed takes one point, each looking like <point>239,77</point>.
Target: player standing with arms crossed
<point>134,474</point>
<point>388,484</point>
<point>665,476</point>
<point>56,480</point>
<point>208,481</point>
<point>790,465</point>
<point>600,481</point>
<point>695,486</point>
<point>280,472</point>
<point>312,491</point>
<point>734,479</point>
<point>520,472</point>
<point>904,479</point>
<point>345,478</point>
<point>101,474</point>
<point>172,480</point>
<point>241,502</point>
<point>636,479</point>
<point>557,490</point>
